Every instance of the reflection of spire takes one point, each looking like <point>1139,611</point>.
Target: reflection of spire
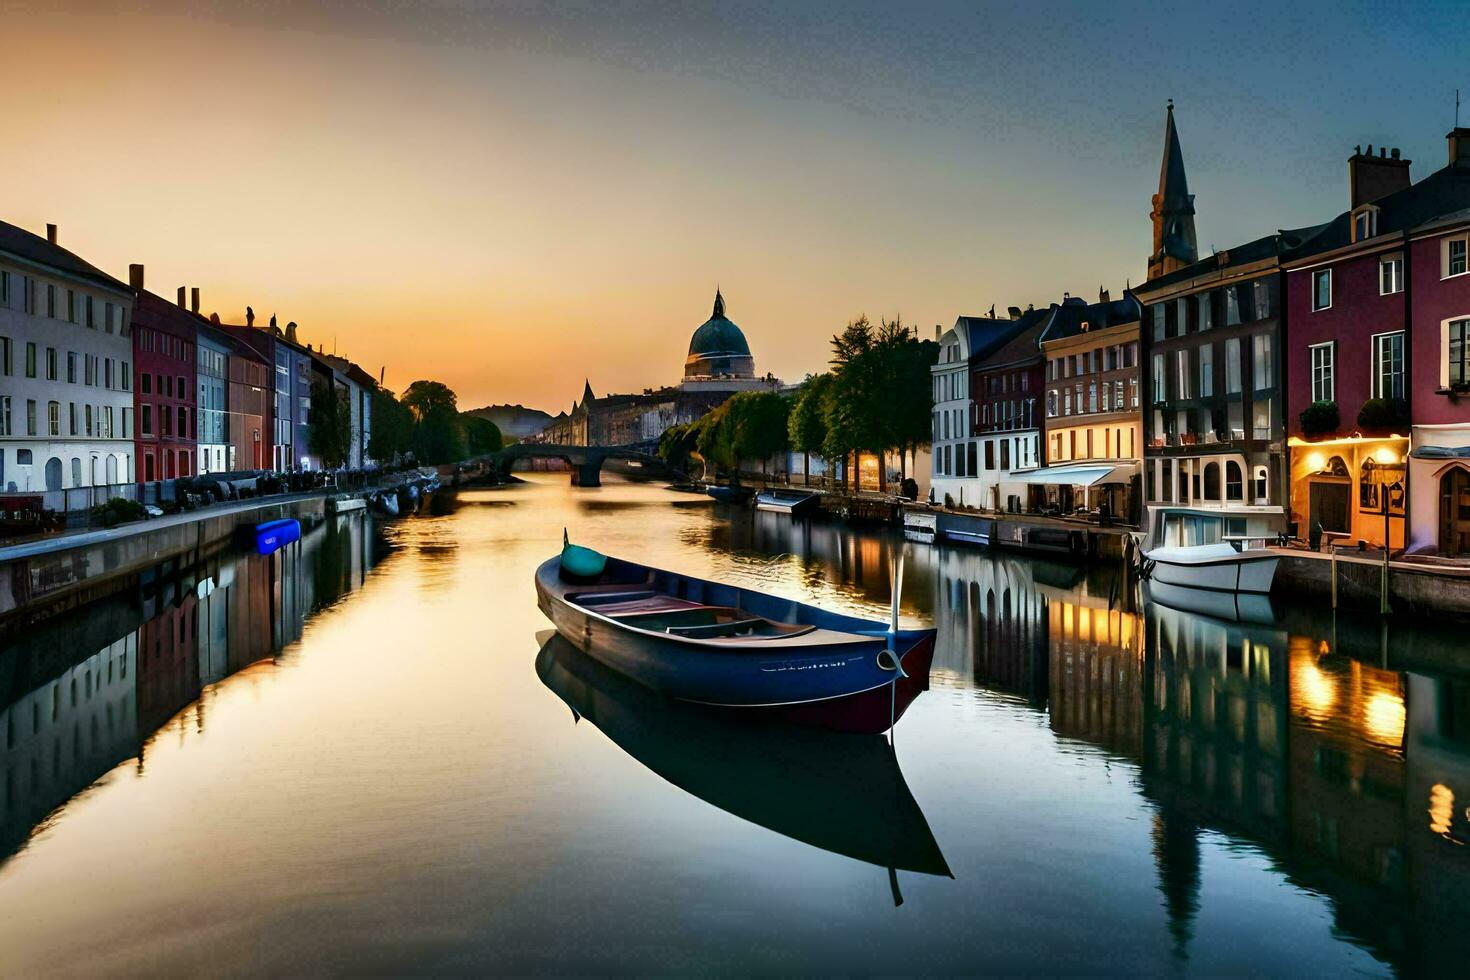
<point>1176,858</point>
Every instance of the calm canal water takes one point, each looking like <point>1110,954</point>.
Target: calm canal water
<point>352,757</point>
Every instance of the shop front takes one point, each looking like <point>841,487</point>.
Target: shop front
<point>1354,489</point>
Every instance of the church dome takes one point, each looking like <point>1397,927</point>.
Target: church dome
<point>718,347</point>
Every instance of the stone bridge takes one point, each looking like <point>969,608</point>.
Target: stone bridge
<point>585,461</point>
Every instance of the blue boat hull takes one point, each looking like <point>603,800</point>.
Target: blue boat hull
<point>760,673</point>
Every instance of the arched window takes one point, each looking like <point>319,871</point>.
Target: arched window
<point>1234,481</point>
<point>112,469</point>
<point>1263,485</point>
<point>53,473</point>
<point>1212,481</point>
<point>76,471</point>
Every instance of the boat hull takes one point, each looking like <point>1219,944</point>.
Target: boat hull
<point>1250,572</point>
<point>763,673</point>
<point>794,504</point>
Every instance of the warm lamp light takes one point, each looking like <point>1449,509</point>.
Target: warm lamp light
<point>1386,456</point>
<point>1316,462</point>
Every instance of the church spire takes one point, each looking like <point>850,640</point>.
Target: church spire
<point>587,396</point>
<point>1173,211</point>
<point>719,305</point>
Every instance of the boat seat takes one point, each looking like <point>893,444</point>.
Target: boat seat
<point>600,598</point>
<point>736,629</point>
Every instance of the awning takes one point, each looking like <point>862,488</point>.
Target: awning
<point>1079,475</point>
<point>1441,452</point>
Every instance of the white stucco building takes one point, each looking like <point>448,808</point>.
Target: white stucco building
<point>66,402</point>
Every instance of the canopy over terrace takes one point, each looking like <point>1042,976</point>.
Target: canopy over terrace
<point>1083,475</point>
<point>1108,489</point>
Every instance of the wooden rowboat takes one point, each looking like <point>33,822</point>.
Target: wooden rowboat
<point>713,643</point>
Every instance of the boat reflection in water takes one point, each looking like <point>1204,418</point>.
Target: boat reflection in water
<point>837,791</point>
<point>91,690</point>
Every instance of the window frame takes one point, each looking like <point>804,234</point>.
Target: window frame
<point>1327,371</point>
<point>1319,275</point>
<point>1444,270</point>
<point>1394,261</point>
<point>1374,364</point>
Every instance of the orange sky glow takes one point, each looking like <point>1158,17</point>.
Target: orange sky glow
<point>459,192</point>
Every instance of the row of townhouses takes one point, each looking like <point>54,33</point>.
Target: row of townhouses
<point>1314,381</point>
<point>106,386</point>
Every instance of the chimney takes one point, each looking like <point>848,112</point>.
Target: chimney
<point>291,331</point>
<point>135,276</point>
<point>249,317</point>
<point>181,297</point>
<point>937,332</point>
<point>51,234</point>
<point>1371,177</point>
<point>1459,140</point>
<point>1103,296</point>
<point>1014,311</point>
<point>194,300</point>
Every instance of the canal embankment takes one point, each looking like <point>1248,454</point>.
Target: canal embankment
<point>42,578</point>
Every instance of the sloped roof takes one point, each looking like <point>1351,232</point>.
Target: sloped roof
<point>1439,195</point>
<point>1098,316</point>
<point>35,248</point>
<point>1277,244</point>
<point>988,335</point>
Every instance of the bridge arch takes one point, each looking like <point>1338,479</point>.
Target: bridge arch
<point>586,461</point>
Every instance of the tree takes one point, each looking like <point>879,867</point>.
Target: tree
<point>760,420</point>
<point>329,429</point>
<point>437,435</point>
<point>481,435</point>
<point>806,426</point>
<point>715,441</point>
<point>1320,418</point>
<point>392,427</point>
<point>678,444</point>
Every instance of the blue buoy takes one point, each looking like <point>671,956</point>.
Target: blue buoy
<point>275,535</point>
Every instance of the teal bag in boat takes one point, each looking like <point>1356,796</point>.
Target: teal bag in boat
<point>579,562</point>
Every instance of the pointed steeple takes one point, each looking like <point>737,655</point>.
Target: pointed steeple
<point>587,395</point>
<point>1173,211</point>
<point>719,305</point>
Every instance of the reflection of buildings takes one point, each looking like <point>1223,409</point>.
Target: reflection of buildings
<point>86,692</point>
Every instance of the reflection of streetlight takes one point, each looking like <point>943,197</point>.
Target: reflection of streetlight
<point>1316,689</point>
<point>1441,809</point>
<point>1384,718</point>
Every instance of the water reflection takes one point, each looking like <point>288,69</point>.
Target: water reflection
<point>1290,731</point>
<point>93,689</point>
<point>837,791</point>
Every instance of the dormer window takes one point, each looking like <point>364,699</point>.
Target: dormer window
<point>1365,223</point>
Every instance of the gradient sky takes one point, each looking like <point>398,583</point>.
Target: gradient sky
<point>508,197</point>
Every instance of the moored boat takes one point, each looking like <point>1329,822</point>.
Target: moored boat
<point>713,643</point>
<point>794,502</point>
<point>726,494</point>
<point>387,502</point>
<point>1202,549</point>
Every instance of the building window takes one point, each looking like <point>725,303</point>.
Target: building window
<point>1391,274</point>
<point>1204,312</point>
<point>1181,374</point>
<point>71,367</point>
<point>1158,379</point>
<point>1261,364</point>
<point>30,416</point>
<point>1261,298</point>
<point>147,419</point>
<point>1232,306</point>
<point>1322,289</point>
<point>1459,354</point>
<point>53,418</point>
<point>1207,370</point>
<point>1388,365</point>
<point>1454,257</point>
<point>1364,224</point>
<point>30,359</point>
<point>5,429</point>
<point>1324,385</point>
<point>1232,366</point>
<point>1156,318</point>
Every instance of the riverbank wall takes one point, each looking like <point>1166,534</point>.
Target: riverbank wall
<point>1413,589</point>
<point>43,578</point>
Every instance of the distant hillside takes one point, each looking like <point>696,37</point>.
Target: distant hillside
<point>514,420</point>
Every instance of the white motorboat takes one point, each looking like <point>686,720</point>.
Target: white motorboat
<point>1216,566</point>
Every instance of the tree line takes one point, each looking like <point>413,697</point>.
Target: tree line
<point>877,397</point>
<point>425,426</point>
